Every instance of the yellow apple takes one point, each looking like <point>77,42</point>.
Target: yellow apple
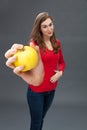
<point>28,57</point>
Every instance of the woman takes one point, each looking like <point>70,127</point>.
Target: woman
<point>43,79</point>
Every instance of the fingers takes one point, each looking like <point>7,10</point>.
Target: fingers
<point>53,79</point>
<point>17,46</point>
<point>18,70</point>
<point>10,62</point>
<point>34,46</point>
<point>56,76</point>
<point>13,50</point>
<point>10,53</point>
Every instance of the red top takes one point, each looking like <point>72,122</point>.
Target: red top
<point>51,61</point>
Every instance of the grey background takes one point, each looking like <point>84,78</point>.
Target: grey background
<point>16,22</point>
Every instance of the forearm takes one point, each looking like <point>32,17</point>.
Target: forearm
<point>58,74</point>
<point>32,78</point>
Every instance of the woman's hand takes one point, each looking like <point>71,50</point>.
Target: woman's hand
<point>56,76</point>
<point>34,76</point>
<point>10,54</point>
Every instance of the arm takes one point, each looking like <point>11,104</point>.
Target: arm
<point>61,68</point>
<point>62,64</point>
<point>34,76</point>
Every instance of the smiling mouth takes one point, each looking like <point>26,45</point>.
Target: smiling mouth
<point>49,32</point>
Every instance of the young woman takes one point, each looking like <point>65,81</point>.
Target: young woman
<point>42,80</point>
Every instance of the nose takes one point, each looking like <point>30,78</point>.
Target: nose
<point>49,28</point>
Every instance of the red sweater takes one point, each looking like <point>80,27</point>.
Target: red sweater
<point>51,61</point>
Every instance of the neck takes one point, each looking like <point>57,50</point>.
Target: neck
<point>48,43</point>
<point>46,39</point>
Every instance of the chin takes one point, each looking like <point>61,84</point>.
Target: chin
<point>49,35</point>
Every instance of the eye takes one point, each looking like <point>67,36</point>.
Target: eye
<point>44,26</point>
<point>51,24</point>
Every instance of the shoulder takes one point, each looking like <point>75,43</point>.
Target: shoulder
<point>33,42</point>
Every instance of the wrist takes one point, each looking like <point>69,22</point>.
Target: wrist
<point>61,72</point>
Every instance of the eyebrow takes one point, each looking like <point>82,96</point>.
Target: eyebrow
<point>47,25</point>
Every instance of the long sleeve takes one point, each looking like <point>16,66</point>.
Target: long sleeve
<point>62,63</point>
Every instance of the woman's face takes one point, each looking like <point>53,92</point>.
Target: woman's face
<point>47,28</point>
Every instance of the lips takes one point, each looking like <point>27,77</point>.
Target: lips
<point>49,32</point>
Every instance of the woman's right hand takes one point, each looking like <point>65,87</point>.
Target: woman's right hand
<point>34,76</point>
<point>10,54</point>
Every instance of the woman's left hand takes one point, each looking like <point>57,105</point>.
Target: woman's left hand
<point>58,74</point>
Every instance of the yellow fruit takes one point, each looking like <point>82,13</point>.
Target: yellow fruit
<point>28,57</point>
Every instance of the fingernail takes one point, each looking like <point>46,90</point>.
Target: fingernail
<point>21,67</point>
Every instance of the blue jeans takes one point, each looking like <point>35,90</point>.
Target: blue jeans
<point>39,104</point>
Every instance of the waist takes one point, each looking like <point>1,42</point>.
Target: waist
<point>44,87</point>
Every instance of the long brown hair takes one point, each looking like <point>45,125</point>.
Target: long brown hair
<point>36,33</point>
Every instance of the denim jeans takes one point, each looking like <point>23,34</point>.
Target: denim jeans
<point>39,103</point>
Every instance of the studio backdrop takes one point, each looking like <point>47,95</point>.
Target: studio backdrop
<point>70,19</point>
